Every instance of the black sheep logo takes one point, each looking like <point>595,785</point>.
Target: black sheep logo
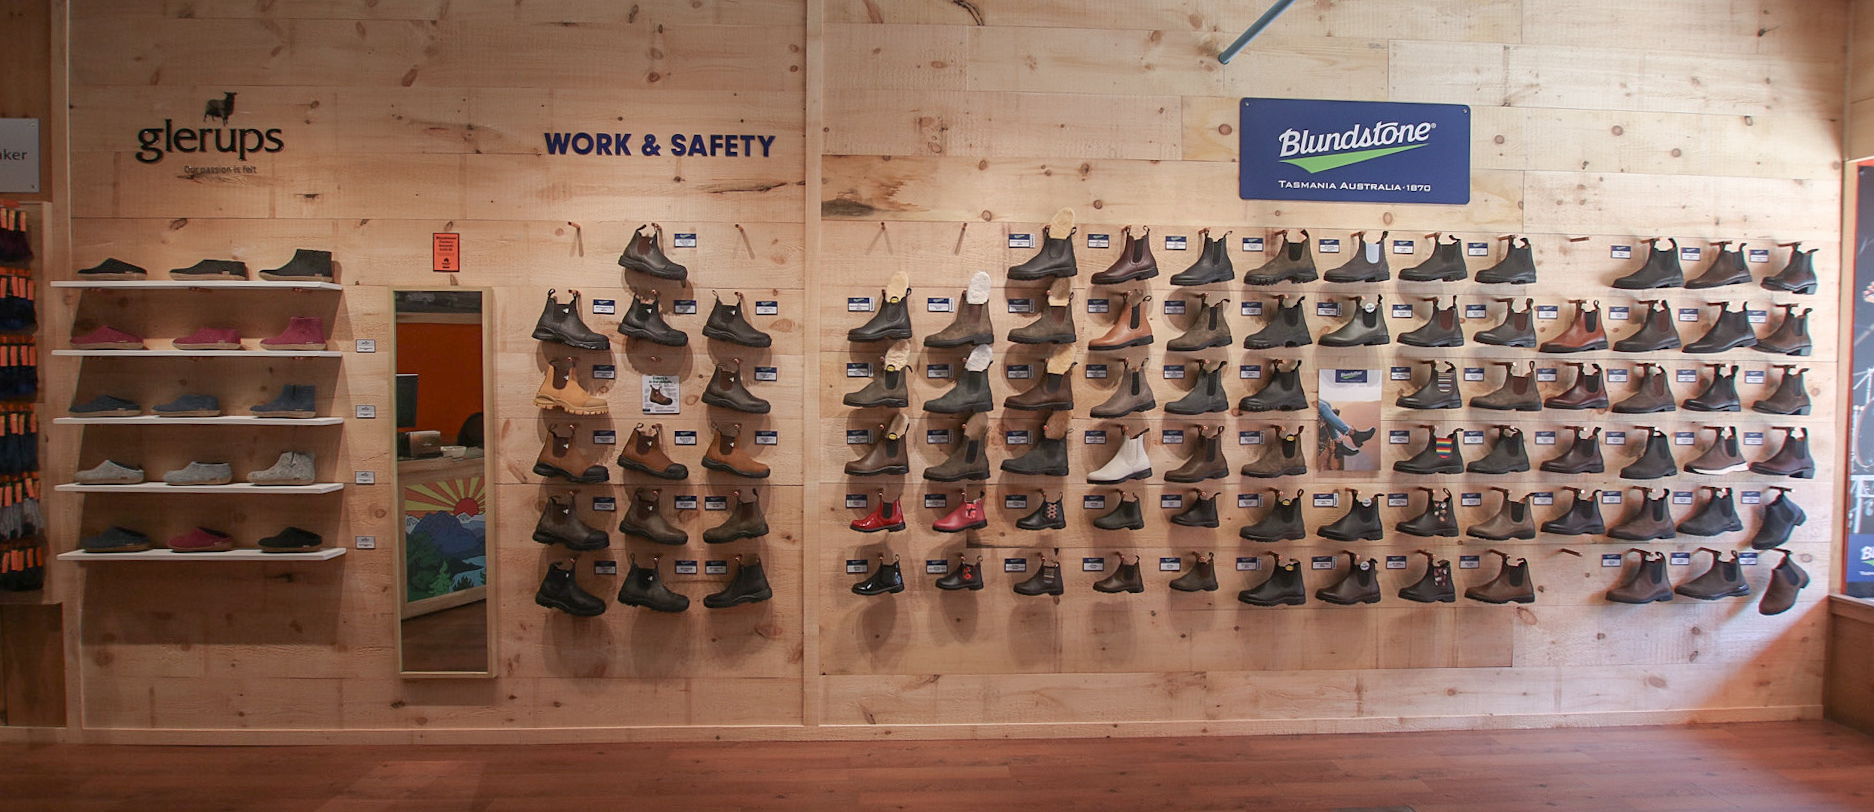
<point>219,108</point>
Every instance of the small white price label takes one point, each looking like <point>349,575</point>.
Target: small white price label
<point>1175,243</point>
<point>1170,564</point>
<point>604,307</point>
<point>364,477</point>
<point>1621,252</point>
<point>1469,562</point>
<point>1096,370</point>
<point>1021,240</point>
<point>1404,247</point>
<point>364,542</point>
<point>856,566</point>
<point>938,304</point>
<point>1252,245</point>
<point>1549,312</point>
<point>936,566</point>
<point>1249,500</point>
<point>1099,240</point>
<point>1688,314</point>
<point>366,345</point>
<point>1321,562</point>
<point>1247,564</point>
<point>1251,308</point>
<point>767,308</point>
<point>1091,564</point>
<point>1477,249</point>
<point>1330,246</point>
<point>683,240</point>
<point>365,411</point>
<point>1014,565</point>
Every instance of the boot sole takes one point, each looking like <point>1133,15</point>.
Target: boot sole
<point>1530,535</point>
<point>1452,276</point>
<point>1598,469</point>
<point>1805,473</point>
<point>1114,415</point>
<point>553,604</point>
<point>1061,526</point>
<point>890,403</point>
<point>1180,280</point>
<point>1800,351</point>
<point>1325,599</point>
<point>738,536</point>
<point>1297,471</point>
<point>1145,474</point>
<point>544,335</point>
<point>1520,407</point>
<point>1056,405</point>
<point>721,335</point>
<point>639,267</point>
<point>1211,523</point>
<point>1512,280</point>
<point>1576,407</point>
<point>1127,526</point>
<point>1103,279</point>
<point>1367,343</point>
<point>1663,599</point>
<point>738,600</point>
<point>1735,593</point>
<point>970,586</point>
<point>1062,471</point>
<point>973,476</point>
<point>1456,342</point>
<point>1127,590</point>
<point>295,277</point>
<point>1473,470</point>
<point>1282,407</point>
<point>885,529</point>
<point>204,277</point>
<point>717,401</point>
<point>1282,602</point>
<point>549,403</point>
<point>1270,540</point>
<point>639,534</point>
<point>643,605</point>
<point>930,342</point>
<point>890,590</point>
<point>1668,407</point>
<point>1590,346</point>
<point>1189,480</point>
<point>682,473</point>
<point>1032,276</point>
<point>1173,347</point>
<point>101,277</point>
<point>542,469</point>
<point>1629,348</point>
<point>889,470</point>
<point>682,339</point>
<point>1439,599</point>
<point>545,538</point>
<point>971,526</point>
<point>1729,469</point>
<point>1266,281</point>
<point>1692,406</point>
<point>890,335</point>
<point>1331,278</point>
<point>304,548</point>
<point>1698,350</point>
<point>1137,342</point>
<point>1049,340</point>
<point>1521,344</point>
<point>1517,599</point>
<point>725,467</point>
<point>1757,407</point>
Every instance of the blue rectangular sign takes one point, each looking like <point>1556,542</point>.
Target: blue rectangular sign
<point>1362,152</point>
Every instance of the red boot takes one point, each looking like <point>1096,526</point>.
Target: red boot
<point>887,516</point>
<point>966,516</point>
<point>302,333</point>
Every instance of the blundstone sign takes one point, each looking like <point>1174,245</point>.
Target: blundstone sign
<point>1364,152</point>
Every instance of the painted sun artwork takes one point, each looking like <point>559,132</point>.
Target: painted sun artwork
<point>445,536</point>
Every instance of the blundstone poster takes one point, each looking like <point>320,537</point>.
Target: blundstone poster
<point>1360,152</point>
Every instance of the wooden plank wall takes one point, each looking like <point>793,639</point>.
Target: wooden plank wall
<point>955,128</point>
<point>954,124</point>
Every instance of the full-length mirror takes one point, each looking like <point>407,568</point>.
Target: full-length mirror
<point>444,566</point>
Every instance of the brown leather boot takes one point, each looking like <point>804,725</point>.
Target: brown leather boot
<point>1583,334</point>
<point>726,389</point>
<point>561,390</point>
<point>1054,391</point>
<point>887,454</point>
<point>644,453</point>
<point>729,453</point>
<point>745,521</point>
<point>1205,463</point>
<point>1132,395</point>
<point>645,521</point>
<point>561,458</point>
<point>1056,325</point>
<point>1589,391</point>
<point>1135,261</point>
<point>1131,330</point>
<point>1512,584</point>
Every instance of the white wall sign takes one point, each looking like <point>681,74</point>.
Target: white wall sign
<point>19,155</point>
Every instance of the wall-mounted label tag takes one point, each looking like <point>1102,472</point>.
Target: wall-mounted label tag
<point>1477,249</point>
<point>715,503</point>
<point>1252,245</point>
<point>1619,313</point>
<point>1018,371</point>
<point>1682,497</point>
<point>1395,562</point>
<point>1610,497</point>
<point>364,542</point>
<point>1542,498</point>
<point>1682,438</point>
<point>1173,371</point>
<point>1616,438</point>
<point>936,436</point>
<point>604,372</point>
<point>604,307</point>
<point>1250,308</point>
<point>1611,560</point>
<point>1330,246</point>
<point>859,370</point>
<point>685,502</point>
<point>1475,311</point>
<point>1099,240</point>
<point>1473,438</point>
<point>1398,499</point>
<point>716,566</point>
<point>1753,438</point>
<point>1172,437</point>
<point>1327,499</point>
<point>1754,376</point>
<point>857,566</point>
<point>1548,312</point>
<point>1400,373</point>
<point>936,566</point>
<point>1093,502</point>
<point>767,438</point>
<point>938,304</point>
<point>1545,438</point>
<point>1170,500</point>
<point>1473,373</point>
<point>1685,376</point>
<point>604,568</point>
<point>1015,501</point>
<point>934,371</point>
<point>1021,305</point>
<point>1096,370</point>
<point>1747,558</point>
<point>1469,562</point>
<point>1402,311</point>
<point>1014,565</point>
<point>1398,437</point>
<point>1327,308</point>
<point>1690,254</point>
<point>1679,559</point>
<point>1756,316</point>
<point>1249,372</point>
<point>936,500</point>
<point>857,500</point>
<point>1546,374</point>
<point>767,373</point>
<point>1321,562</point>
<point>682,437</point>
<point>1099,306</point>
<point>858,436</point>
<point>1248,564</point>
<point>1021,240</point>
<point>604,504</point>
<point>1621,252</point>
<point>364,477</point>
<point>1757,255</point>
<point>1094,437</point>
<point>365,345</point>
<point>1249,500</point>
<point>1249,438</point>
<point>1174,243</point>
<point>1617,376</point>
<point>604,437</point>
<point>1174,307</point>
<point>681,239</point>
<point>683,307</point>
<point>445,252</point>
<point>1092,564</point>
<point>1404,246</point>
<point>767,307</point>
<point>1016,437</point>
<point>1688,314</point>
<point>1170,564</point>
<point>364,411</point>
<point>1471,499</point>
<point>1750,497</point>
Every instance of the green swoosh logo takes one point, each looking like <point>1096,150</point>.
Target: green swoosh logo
<point>1322,163</point>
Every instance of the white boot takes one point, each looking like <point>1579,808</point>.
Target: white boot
<point>1130,463</point>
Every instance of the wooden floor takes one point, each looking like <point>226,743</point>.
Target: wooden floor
<point>1786,767</point>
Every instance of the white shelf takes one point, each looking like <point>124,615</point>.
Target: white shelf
<point>242,488</point>
<point>234,420</point>
<point>163,284</point>
<point>321,554</point>
<point>200,353</point>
